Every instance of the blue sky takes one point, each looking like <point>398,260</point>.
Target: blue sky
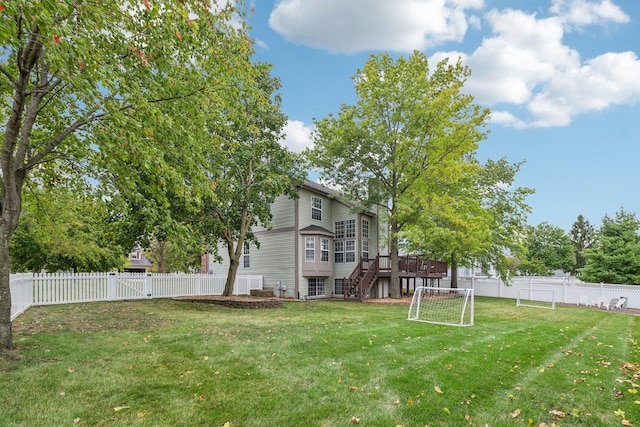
<point>561,77</point>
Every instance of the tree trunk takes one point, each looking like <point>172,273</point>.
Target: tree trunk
<point>11,205</point>
<point>231,277</point>
<point>454,270</point>
<point>394,286</point>
<point>6,335</point>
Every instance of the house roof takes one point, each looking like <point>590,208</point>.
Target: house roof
<point>142,262</point>
<point>316,229</point>
<point>319,188</point>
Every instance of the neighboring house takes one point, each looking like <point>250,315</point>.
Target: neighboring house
<point>138,263</point>
<point>315,243</point>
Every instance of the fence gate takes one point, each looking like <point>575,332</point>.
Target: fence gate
<point>132,286</point>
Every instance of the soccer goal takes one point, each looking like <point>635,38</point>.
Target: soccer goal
<point>537,298</point>
<point>444,306</point>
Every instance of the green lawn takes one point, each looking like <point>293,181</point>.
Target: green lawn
<point>332,363</point>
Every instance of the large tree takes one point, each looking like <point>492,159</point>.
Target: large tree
<point>409,122</point>
<point>614,257</point>
<point>474,218</point>
<point>252,171</point>
<point>548,248</point>
<point>81,78</point>
<point>582,235</point>
<point>64,229</point>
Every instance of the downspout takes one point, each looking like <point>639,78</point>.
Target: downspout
<point>296,256</point>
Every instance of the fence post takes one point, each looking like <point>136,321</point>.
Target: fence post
<point>112,287</point>
<point>148,286</point>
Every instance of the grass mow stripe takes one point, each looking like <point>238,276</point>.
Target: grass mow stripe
<point>315,363</point>
<point>552,360</point>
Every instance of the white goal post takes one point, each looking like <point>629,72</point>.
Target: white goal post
<point>537,298</point>
<point>443,306</point>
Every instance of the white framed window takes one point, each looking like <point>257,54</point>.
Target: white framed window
<point>324,249</point>
<point>316,286</point>
<point>316,208</point>
<point>350,251</point>
<point>246,256</point>
<point>350,228</point>
<point>365,228</point>
<point>338,229</point>
<point>338,252</point>
<point>365,249</point>
<point>309,249</point>
<point>338,286</point>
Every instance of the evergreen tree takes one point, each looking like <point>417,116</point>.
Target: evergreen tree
<point>582,235</point>
<point>615,255</point>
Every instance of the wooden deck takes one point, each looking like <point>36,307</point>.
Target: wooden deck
<point>369,270</point>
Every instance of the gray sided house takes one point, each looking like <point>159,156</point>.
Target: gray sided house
<point>316,242</point>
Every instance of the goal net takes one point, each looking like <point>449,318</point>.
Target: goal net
<point>444,306</point>
<point>538,298</point>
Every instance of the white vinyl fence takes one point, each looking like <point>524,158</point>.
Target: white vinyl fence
<point>565,290</point>
<point>66,288</point>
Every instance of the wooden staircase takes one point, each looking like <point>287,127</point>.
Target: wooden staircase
<point>368,271</point>
<point>362,278</point>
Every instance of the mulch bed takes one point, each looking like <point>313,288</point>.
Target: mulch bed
<point>235,301</point>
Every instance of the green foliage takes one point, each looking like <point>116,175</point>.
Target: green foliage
<point>115,86</point>
<point>614,257</point>
<point>250,168</point>
<point>410,126</point>
<point>63,230</point>
<point>165,363</point>
<point>548,248</point>
<point>475,218</point>
<point>582,235</point>
<point>181,254</point>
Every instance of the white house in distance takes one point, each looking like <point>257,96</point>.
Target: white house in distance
<point>315,242</point>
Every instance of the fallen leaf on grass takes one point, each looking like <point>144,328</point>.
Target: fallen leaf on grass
<point>76,420</point>
<point>438,389</point>
<point>619,413</point>
<point>120,408</point>
<point>515,413</point>
<point>355,420</point>
<point>70,370</point>
<point>353,388</point>
<point>558,414</point>
<point>626,423</point>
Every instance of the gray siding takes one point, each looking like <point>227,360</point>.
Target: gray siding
<point>276,258</point>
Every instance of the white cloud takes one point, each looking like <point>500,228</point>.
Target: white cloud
<point>580,13</point>
<point>505,118</point>
<point>607,80</point>
<point>361,25</point>
<point>523,66</point>
<point>524,53</point>
<point>298,136</point>
<point>525,63</point>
